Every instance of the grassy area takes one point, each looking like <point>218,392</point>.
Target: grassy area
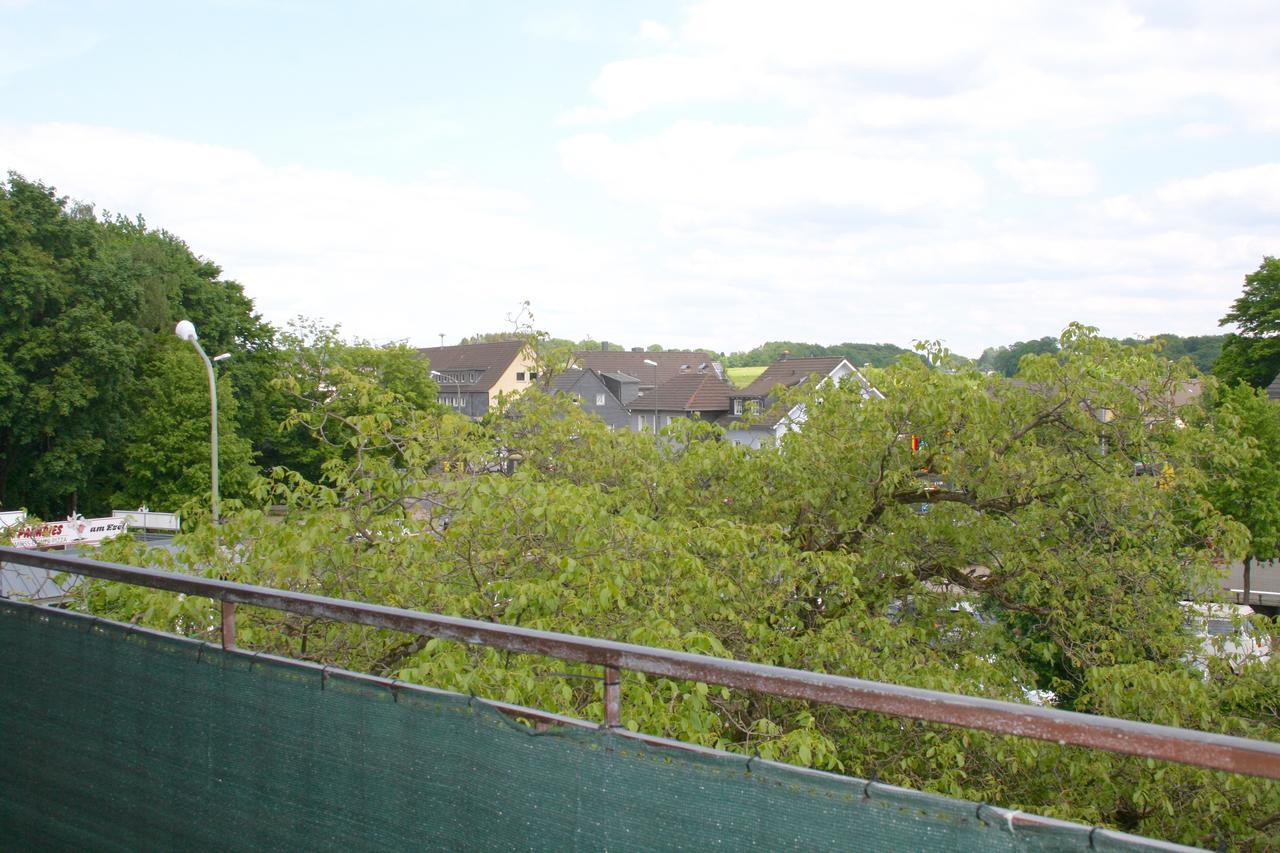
<point>743,376</point>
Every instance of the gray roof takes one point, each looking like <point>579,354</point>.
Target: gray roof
<point>788,372</point>
<point>669,364</point>
<point>490,359</point>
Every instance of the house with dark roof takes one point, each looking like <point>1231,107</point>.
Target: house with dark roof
<point>471,376</point>
<point>697,394</point>
<point>605,395</point>
<point>651,368</point>
<point>755,413</point>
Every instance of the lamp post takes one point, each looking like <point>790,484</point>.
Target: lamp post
<point>187,331</point>
<point>654,365</point>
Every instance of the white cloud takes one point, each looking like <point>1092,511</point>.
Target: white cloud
<point>990,65</point>
<point>387,260</point>
<point>704,173</point>
<point>1250,192</point>
<point>1051,177</point>
<point>654,32</point>
<point>818,171</point>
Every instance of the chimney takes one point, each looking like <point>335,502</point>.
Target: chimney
<point>604,346</point>
<point>786,354</point>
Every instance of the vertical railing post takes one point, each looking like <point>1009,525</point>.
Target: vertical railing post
<point>612,697</point>
<point>228,624</point>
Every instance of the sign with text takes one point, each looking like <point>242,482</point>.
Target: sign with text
<point>73,531</point>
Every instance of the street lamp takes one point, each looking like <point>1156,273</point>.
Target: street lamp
<point>654,365</point>
<point>187,331</point>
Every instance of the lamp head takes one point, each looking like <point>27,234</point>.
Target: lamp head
<point>651,363</point>
<point>185,330</point>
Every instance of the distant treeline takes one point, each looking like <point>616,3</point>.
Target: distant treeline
<point>877,355</point>
<point>1203,350</point>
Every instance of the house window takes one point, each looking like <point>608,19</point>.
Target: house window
<point>599,399</point>
<point>533,374</point>
<point>737,405</point>
<point>520,376</point>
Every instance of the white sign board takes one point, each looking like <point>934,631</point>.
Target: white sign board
<point>145,519</point>
<point>73,531</point>
<point>9,519</point>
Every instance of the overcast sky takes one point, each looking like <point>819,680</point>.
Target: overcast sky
<point>714,173</point>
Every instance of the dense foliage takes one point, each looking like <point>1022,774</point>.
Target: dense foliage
<point>1010,550</point>
<point>1252,355</point>
<point>88,310</point>
<point>1203,350</point>
<point>1014,555</point>
<point>876,355</point>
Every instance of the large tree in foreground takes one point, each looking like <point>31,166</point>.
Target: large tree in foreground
<point>1011,554</point>
<point>1252,354</point>
<point>84,305</point>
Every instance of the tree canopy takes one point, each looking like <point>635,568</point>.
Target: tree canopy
<point>85,300</point>
<point>1252,355</point>
<point>877,355</point>
<point>1014,554</point>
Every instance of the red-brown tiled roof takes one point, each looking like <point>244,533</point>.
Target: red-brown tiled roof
<point>689,392</point>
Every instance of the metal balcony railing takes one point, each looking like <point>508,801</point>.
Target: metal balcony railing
<point>1183,746</point>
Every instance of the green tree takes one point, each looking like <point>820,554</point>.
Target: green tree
<point>68,348</point>
<point>1252,355</point>
<point>840,550</point>
<point>164,456</point>
<point>876,355</point>
<point>1203,350</point>
<point>1005,360</point>
<point>85,301</point>
<point>326,385</point>
<point>1247,487</point>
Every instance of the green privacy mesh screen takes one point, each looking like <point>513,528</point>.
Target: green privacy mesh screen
<point>119,739</point>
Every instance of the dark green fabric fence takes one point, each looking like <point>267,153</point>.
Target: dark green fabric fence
<point>120,739</point>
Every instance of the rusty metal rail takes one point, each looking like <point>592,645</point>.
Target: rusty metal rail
<point>1184,746</point>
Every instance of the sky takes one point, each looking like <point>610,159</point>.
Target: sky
<point>714,173</point>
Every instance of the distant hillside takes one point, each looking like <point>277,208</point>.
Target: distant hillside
<point>877,355</point>
<point>1203,350</point>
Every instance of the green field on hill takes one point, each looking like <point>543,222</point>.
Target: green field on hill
<point>743,376</point>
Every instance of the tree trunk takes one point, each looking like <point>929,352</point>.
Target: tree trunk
<point>1248,570</point>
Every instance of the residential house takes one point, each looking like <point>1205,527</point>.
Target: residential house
<point>471,376</point>
<point>755,414</point>
<point>698,394</point>
<point>606,395</point>
<point>651,368</point>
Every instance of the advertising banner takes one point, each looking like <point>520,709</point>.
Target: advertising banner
<point>73,531</point>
